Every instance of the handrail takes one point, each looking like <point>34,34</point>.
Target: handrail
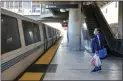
<point>106,22</point>
<point>113,43</point>
<point>85,18</point>
<point>109,31</point>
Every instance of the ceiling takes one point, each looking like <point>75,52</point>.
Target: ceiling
<point>103,3</point>
<point>61,16</point>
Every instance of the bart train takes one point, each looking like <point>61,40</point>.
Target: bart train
<point>23,40</point>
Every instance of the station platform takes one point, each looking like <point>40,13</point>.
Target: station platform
<point>37,70</point>
<point>75,65</point>
<point>60,63</point>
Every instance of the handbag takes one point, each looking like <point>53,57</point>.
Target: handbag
<point>96,60</point>
<point>102,53</point>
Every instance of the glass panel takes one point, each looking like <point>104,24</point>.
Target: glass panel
<point>49,32</point>
<point>43,10</point>
<point>27,4</point>
<point>20,4</point>
<point>35,6</point>
<point>16,4</point>
<point>31,32</point>
<point>7,4</point>
<point>10,39</point>
<point>36,32</point>
<point>28,32</point>
<point>44,31</point>
<point>11,4</point>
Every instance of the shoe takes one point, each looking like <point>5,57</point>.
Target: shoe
<point>95,69</point>
<point>100,68</point>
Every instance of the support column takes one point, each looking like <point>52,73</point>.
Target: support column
<point>120,20</point>
<point>74,29</point>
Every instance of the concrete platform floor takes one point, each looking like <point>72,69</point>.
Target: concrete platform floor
<point>75,65</point>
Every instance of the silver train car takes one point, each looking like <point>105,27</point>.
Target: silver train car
<point>23,40</point>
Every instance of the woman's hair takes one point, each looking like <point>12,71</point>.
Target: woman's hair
<point>95,30</point>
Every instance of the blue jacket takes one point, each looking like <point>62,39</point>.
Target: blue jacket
<point>93,45</point>
<point>98,46</point>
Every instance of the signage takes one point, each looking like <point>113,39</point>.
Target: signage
<point>50,6</point>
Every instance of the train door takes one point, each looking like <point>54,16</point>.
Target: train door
<point>52,35</point>
<point>45,37</point>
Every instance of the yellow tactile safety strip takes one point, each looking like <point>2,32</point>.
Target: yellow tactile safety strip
<point>31,76</point>
<point>46,58</point>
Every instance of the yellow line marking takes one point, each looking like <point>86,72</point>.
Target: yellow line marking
<point>46,58</point>
<point>31,76</point>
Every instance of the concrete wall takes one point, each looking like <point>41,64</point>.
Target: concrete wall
<point>74,29</point>
<point>112,12</point>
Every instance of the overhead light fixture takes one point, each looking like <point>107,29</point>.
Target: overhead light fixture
<point>62,10</point>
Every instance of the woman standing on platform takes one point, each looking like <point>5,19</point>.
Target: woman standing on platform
<point>98,45</point>
<point>94,42</point>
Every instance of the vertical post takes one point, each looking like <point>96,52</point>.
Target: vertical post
<point>120,20</point>
<point>74,29</point>
<point>0,41</point>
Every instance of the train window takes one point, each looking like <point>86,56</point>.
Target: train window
<point>55,32</point>
<point>49,32</point>
<point>36,32</point>
<point>44,31</point>
<point>31,32</point>
<point>52,32</point>
<point>28,32</point>
<point>10,38</point>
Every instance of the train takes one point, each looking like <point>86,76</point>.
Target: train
<point>23,40</point>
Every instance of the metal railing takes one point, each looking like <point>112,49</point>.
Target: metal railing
<point>113,43</point>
